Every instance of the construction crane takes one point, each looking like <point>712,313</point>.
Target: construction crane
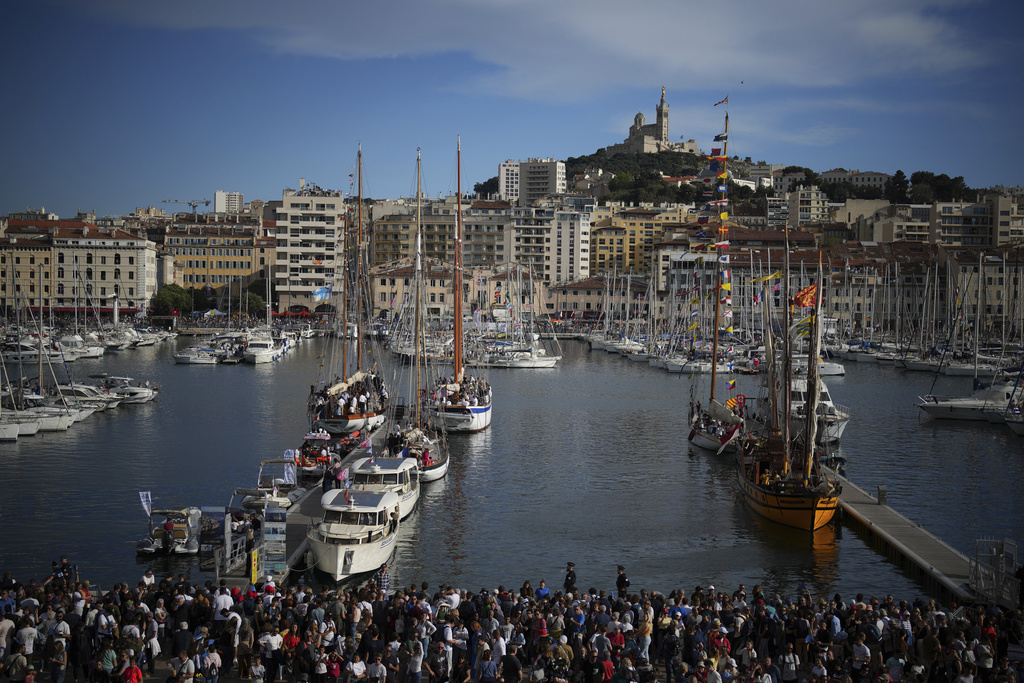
<point>194,203</point>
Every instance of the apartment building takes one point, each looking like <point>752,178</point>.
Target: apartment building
<point>309,230</point>
<point>221,257</point>
<point>807,205</point>
<point>69,265</point>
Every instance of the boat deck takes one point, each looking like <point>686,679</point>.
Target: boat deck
<point>931,560</point>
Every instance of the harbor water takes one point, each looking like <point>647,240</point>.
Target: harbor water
<point>587,462</point>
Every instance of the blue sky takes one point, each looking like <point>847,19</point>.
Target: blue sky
<point>112,104</point>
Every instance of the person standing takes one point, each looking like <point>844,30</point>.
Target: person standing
<point>569,585</point>
<point>621,583</point>
<point>58,662</point>
<point>790,663</point>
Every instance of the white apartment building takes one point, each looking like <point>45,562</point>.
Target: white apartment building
<point>508,181</point>
<point>570,257</point>
<point>228,202</point>
<point>310,232</point>
<point>807,206</point>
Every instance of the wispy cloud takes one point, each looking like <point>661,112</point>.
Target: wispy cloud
<point>538,49</point>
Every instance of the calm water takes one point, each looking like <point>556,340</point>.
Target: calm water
<point>587,462</point>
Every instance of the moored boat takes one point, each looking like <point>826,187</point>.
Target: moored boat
<point>356,534</point>
<point>399,476</point>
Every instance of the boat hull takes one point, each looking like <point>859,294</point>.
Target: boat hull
<point>711,442</point>
<point>800,511</point>
<point>349,424</point>
<point>435,471</point>
<point>342,561</point>
<point>462,418</point>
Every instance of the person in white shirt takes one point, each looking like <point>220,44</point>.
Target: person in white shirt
<point>498,647</point>
<point>221,602</point>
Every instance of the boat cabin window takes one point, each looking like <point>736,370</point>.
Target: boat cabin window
<point>825,397</point>
<point>797,395</point>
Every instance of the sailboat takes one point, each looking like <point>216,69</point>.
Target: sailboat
<point>419,439</point>
<point>718,427</point>
<point>356,401</point>
<point>460,403</point>
<point>782,486</point>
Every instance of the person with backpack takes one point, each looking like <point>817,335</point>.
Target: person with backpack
<point>212,664</point>
<point>668,653</point>
<point>16,664</point>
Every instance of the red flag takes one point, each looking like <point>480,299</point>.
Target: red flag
<point>725,101</point>
<point>807,296</point>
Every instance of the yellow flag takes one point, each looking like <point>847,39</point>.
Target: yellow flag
<point>727,286</point>
<point>776,274</point>
<point>695,300</point>
<point>729,329</point>
<point>691,327</point>
<point>724,215</point>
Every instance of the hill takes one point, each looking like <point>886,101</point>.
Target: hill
<point>672,164</point>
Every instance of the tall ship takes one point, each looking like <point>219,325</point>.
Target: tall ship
<point>460,403</point>
<point>350,395</point>
<point>777,469</point>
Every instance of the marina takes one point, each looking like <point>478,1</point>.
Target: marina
<point>205,435</point>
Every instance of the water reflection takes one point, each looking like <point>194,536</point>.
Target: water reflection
<point>586,462</point>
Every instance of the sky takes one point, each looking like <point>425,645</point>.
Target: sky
<point>109,105</point>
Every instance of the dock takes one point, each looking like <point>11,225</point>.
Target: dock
<point>285,543</point>
<point>927,558</point>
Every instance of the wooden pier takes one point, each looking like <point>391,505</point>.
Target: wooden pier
<point>925,557</point>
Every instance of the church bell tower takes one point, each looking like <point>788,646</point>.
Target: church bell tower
<point>662,121</point>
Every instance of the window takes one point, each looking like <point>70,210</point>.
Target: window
<point>60,257</point>
<point>88,258</point>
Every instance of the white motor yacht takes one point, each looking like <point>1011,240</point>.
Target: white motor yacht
<point>396,475</point>
<point>262,350</point>
<point>357,533</point>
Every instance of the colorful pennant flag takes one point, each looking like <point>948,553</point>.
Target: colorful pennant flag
<point>776,274</point>
<point>807,296</point>
<point>730,385</point>
<point>725,101</point>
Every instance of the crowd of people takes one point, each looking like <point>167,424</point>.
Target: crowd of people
<point>63,631</point>
<point>365,395</point>
<point>471,391</point>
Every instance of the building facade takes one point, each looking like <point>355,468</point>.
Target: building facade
<point>228,202</point>
<point>74,265</point>
<point>219,258</point>
<point>309,232</point>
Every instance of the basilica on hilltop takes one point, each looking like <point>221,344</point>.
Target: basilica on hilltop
<point>648,138</point>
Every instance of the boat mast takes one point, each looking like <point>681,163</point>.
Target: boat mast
<point>344,301</point>
<point>723,231</point>
<point>813,378</point>
<point>418,350</point>
<point>977,311</point>
<point>457,268</point>
<point>359,261</point>
<point>787,364</point>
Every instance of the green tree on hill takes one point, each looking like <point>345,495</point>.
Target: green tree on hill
<point>487,187</point>
<point>897,188</point>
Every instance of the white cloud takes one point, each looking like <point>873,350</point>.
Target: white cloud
<point>539,49</point>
